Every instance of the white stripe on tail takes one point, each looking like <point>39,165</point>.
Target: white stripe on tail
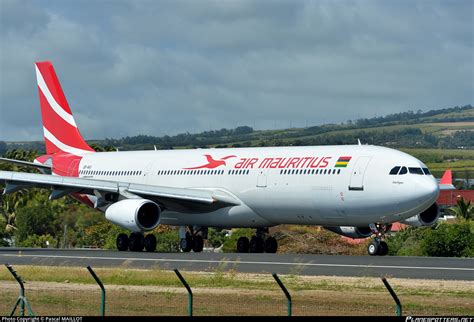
<point>60,129</point>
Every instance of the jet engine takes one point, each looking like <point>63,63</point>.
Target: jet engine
<point>350,231</point>
<point>134,214</point>
<point>426,218</point>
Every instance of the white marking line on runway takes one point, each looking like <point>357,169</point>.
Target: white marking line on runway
<point>240,262</point>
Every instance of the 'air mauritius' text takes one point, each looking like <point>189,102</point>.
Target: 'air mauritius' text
<point>280,163</point>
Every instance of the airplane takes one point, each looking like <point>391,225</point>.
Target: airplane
<point>354,190</point>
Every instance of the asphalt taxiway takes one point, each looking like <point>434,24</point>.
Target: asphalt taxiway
<point>325,265</point>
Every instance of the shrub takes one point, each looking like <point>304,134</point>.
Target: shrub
<point>443,240</point>
<point>449,240</point>
<point>38,241</point>
<point>167,241</point>
<point>103,235</point>
<point>216,237</point>
<point>406,242</point>
<point>231,242</point>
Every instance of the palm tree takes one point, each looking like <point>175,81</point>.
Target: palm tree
<point>463,209</point>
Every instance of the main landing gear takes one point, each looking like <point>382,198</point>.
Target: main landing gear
<point>192,238</point>
<point>259,243</point>
<point>378,247</point>
<point>136,242</point>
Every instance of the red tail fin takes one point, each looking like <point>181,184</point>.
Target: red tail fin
<point>447,178</point>
<point>60,129</point>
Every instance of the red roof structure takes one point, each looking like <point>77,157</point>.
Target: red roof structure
<point>450,197</point>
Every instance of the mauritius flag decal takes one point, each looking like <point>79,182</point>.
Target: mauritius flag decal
<point>342,162</point>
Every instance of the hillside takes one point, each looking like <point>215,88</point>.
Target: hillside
<point>441,138</point>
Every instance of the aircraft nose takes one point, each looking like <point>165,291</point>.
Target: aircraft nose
<point>428,190</point>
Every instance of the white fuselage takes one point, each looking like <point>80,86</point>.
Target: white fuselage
<point>280,185</point>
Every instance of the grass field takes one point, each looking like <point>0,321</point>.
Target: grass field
<point>72,291</point>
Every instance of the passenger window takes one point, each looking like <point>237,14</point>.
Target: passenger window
<point>394,171</point>
<point>403,170</point>
<point>415,171</point>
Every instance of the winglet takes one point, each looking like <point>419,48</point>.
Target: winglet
<point>446,182</point>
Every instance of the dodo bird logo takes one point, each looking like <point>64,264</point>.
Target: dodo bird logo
<point>211,163</point>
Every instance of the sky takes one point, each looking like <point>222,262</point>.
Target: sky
<point>167,67</point>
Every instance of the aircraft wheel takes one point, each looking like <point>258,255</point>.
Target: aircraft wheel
<point>136,242</point>
<point>383,250</point>
<point>373,248</point>
<point>186,244</point>
<point>270,245</point>
<point>256,245</point>
<point>150,243</point>
<point>198,244</point>
<point>243,245</point>
<point>122,242</point>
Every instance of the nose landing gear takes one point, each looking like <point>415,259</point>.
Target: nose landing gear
<point>378,247</point>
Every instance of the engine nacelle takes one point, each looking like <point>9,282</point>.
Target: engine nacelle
<point>350,231</point>
<point>134,214</point>
<point>427,218</point>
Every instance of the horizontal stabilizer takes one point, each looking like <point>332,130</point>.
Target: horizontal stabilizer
<point>42,167</point>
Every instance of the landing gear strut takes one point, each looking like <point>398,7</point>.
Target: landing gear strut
<point>259,243</point>
<point>136,242</point>
<point>192,239</point>
<point>378,247</point>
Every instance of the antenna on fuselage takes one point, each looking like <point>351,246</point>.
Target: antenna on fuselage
<point>358,141</point>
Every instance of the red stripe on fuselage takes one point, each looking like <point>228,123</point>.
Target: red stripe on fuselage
<point>344,159</point>
<point>66,164</point>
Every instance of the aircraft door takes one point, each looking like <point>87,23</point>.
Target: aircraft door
<point>358,172</point>
<point>262,178</point>
<point>147,173</point>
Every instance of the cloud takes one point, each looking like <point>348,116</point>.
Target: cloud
<point>147,67</point>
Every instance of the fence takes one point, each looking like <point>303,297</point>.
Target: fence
<point>247,303</point>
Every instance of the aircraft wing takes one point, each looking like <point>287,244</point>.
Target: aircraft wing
<point>175,199</point>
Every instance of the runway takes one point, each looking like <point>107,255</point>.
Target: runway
<point>325,265</point>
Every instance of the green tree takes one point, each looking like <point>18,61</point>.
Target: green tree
<point>34,220</point>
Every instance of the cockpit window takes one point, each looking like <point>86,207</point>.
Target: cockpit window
<point>426,171</point>
<point>394,171</point>
<point>403,170</point>
<point>416,171</point>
